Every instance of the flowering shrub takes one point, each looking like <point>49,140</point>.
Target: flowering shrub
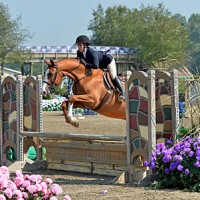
<point>53,104</point>
<point>177,166</point>
<point>30,187</point>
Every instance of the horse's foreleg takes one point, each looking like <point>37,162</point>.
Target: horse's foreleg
<point>73,120</point>
<point>69,118</point>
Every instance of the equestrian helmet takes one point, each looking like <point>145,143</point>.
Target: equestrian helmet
<point>83,39</point>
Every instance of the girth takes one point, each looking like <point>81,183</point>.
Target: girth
<point>105,98</point>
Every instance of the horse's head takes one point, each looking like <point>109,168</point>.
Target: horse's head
<point>52,76</point>
<point>57,70</point>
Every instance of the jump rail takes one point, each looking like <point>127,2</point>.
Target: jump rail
<point>67,136</point>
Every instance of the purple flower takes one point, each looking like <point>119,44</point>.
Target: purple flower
<point>198,158</point>
<point>152,165</point>
<point>177,158</point>
<point>187,171</point>
<point>173,166</point>
<point>189,139</point>
<point>186,149</point>
<point>195,144</point>
<point>158,152</point>
<point>167,171</point>
<point>153,154</point>
<point>191,153</point>
<point>180,168</point>
<point>198,152</point>
<point>169,142</point>
<point>146,164</point>
<point>166,158</point>
<point>152,159</point>
<point>104,191</point>
<point>197,164</point>
<point>165,152</point>
<point>177,147</point>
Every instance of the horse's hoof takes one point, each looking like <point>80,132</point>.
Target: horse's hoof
<point>75,124</point>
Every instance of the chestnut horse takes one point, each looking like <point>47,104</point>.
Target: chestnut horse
<point>89,89</point>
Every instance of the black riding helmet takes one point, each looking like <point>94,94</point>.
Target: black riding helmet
<point>83,39</point>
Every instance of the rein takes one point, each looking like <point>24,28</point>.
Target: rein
<point>63,75</point>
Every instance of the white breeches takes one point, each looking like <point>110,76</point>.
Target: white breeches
<point>112,69</point>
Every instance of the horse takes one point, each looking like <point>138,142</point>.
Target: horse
<point>89,89</point>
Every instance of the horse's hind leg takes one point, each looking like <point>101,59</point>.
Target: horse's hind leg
<point>67,111</point>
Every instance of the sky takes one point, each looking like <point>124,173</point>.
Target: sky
<point>59,22</point>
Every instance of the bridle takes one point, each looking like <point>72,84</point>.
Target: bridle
<point>51,84</point>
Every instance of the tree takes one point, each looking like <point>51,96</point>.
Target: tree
<point>12,36</point>
<point>194,47</point>
<point>155,31</point>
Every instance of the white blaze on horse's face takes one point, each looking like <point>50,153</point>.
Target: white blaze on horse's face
<point>45,81</point>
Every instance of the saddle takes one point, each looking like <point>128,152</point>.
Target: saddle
<point>108,81</point>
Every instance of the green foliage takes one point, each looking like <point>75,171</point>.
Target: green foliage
<point>61,90</point>
<point>149,29</point>
<point>12,36</point>
<point>181,85</point>
<point>183,132</point>
<point>194,48</point>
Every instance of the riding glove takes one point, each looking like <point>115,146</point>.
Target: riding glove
<point>82,61</point>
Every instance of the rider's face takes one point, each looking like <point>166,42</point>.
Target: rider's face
<point>81,47</point>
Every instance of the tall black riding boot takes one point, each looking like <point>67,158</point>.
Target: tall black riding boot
<point>119,86</point>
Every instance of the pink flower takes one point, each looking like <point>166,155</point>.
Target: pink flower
<point>18,193</point>
<point>67,197</point>
<point>44,187</point>
<point>24,195</point>
<point>48,181</point>
<point>8,193</point>
<point>26,176</point>
<point>3,182</point>
<point>56,189</point>
<point>11,185</point>
<point>2,197</point>
<point>38,187</point>
<point>18,180</point>
<point>35,178</point>
<point>26,184</point>
<point>32,189</point>
<point>53,198</point>
<point>4,171</point>
<point>49,191</point>
<point>19,173</point>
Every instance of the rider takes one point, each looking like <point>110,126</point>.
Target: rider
<point>94,59</point>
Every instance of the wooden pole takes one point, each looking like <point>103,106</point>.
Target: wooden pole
<point>72,136</point>
<point>151,114</point>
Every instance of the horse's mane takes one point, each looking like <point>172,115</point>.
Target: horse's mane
<point>64,59</point>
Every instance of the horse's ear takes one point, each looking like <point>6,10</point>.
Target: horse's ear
<point>47,62</point>
<point>52,62</point>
